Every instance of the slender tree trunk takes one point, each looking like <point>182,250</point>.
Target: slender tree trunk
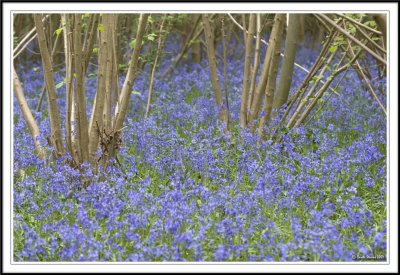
<point>256,63</point>
<point>225,50</point>
<point>326,85</point>
<point>44,85</point>
<point>105,63</point>
<point>153,70</point>
<point>27,114</point>
<point>51,89</point>
<point>302,89</point>
<point>27,39</point>
<point>122,105</point>
<point>285,79</point>
<point>196,47</point>
<point>271,82</point>
<point>190,37</point>
<point>255,106</point>
<point>304,101</point>
<point>115,79</point>
<point>352,38</point>
<point>89,42</point>
<point>66,24</point>
<point>112,91</point>
<point>212,63</point>
<point>82,124</point>
<point>246,77</point>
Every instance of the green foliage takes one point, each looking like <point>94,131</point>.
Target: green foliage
<point>59,85</point>
<point>151,36</point>
<point>316,78</point>
<point>134,92</point>
<point>58,31</point>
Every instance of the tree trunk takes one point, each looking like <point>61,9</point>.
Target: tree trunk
<point>212,63</point>
<point>271,82</point>
<point>51,89</point>
<point>255,106</point>
<point>246,77</point>
<point>225,53</point>
<point>68,81</point>
<point>192,36</point>
<point>303,101</point>
<point>153,70</point>
<point>256,63</point>
<point>81,118</point>
<point>105,50</point>
<point>122,105</point>
<point>196,46</point>
<point>285,78</point>
<point>27,114</point>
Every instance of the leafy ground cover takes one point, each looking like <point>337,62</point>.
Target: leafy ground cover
<point>183,192</point>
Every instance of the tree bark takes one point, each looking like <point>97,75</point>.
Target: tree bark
<point>255,106</point>
<point>68,81</point>
<point>122,105</point>
<point>105,50</point>
<point>87,47</point>
<point>225,53</point>
<point>51,90</point>
<point>192,36</point>
<point>27,114</point>
<point>212,63</point>
<point>196,47</point>
<point>81,118</point>
<point>153,70</point>
<point>271,82</point>
<point>285,78</point>
<point>256,63</point>
<point>246,77</point>
<point>304,100</point>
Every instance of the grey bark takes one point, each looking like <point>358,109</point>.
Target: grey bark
<point>285,79</point>
<point>122,105</point>
<point>212,63</point>
<point>27,114</point>
<point>51,89</point>
<point>271,82</point>
<point>246,77</point>
<point>255,106</point>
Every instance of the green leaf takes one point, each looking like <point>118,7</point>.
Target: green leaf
<point>132,44</point>
<point>95,50</point>
<point>333,49</point>
<point>151,36</point>
<point>372,24</point>
<point>136,92</point>
<point>150,19</point>
<point>91,75</point>
<point>352,29</point>
<point>316,78</point>
<point>35,69</point>
<point>59,85</point>
<point>58,31</point>
<point>100,27</point>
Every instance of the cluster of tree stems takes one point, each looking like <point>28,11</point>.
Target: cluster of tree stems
<point>264,94</point>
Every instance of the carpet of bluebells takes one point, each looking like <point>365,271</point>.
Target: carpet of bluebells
<point>184,192</point>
